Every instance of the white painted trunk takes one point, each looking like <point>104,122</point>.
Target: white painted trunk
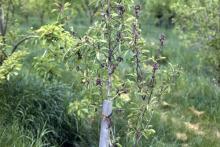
<point>104,140</point>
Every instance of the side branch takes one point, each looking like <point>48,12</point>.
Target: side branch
<point>20,42</point>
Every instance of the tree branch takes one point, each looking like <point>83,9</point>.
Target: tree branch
<point>20,42</point>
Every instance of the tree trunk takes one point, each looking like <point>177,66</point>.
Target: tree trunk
<point>2,21</point>
<point>104,140</point>
<point>42,18</point>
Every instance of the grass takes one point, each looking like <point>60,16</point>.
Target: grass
<point>13,135</point>
<point>189,114</point>
<point>39,113</point>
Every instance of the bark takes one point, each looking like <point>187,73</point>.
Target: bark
<point>4,17</point>
<point>104,140</point>
<point>2,21</point>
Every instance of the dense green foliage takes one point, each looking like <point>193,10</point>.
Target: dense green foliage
<point>162,59</point>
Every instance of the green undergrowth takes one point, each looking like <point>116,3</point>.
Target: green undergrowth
<point>189,114</point>
<point>33,113</point>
